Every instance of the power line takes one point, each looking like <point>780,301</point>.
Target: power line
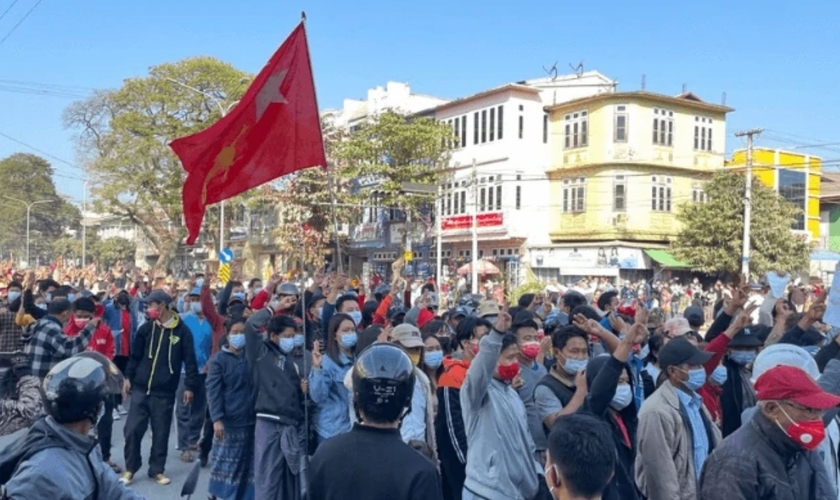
<point>16,26</point>
<point>7,10</point>
<point>56,158</point>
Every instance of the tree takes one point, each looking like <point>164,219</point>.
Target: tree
<point>29,178</point>
<point>367,168</point>
<point>111,250</point>
<point>712,233</point>
<point>124,135</point>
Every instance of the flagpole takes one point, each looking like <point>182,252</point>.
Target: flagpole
<point>339,261</point>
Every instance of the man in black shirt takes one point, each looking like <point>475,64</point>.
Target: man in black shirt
<point>371,462</point>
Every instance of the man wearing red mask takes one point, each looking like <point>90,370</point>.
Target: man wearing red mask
<point>531,371</point>
<point>773,455</point>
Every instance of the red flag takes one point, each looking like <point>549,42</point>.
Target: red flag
<point>273,131</point>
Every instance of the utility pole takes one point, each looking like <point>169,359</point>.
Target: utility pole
<point>439,243</point>
<point>84,224</point>
<point>745,253</point>
<point>28,216</point>
<point>475,229</point>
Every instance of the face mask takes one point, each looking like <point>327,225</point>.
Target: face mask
<point>195,307</point>
<point>298,340</point>
<point>356,316</point>
<point>238,296</point>
<point>573,366</point>
<point>13,296</point>
<point>71,297</point>
<point>644,351</point>
<point>807,434</point>
<point>257,289</point>
<point>199,282</point>
<point>348,340</point>
<point>80,322</point>
<point>153,314</point>
<point>287,344</point>
<point>433,359</point>
<point>623,397</point>
<point>812,349</point>
<point>236,340</point>
<point>719,375</point>
<point>491,319</point>
<point>530,350</point>
<point>320,312</point>
<point>696,379</point>
<point>42,306</point>
<point>742,358</point>
<point>474,348</point>
<point>415,358</point>
<point>508,372</point>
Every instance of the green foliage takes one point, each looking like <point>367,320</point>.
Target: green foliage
<point>534,287</point>
<point>712,233</point>
<point>124,136</point>
<point>28,178</point>
<point>111,250</point>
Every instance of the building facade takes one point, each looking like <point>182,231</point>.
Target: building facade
<point>621,164</point>
<point>795,176</point>
<point>498,168</point>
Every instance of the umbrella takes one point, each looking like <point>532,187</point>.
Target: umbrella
<point>484,267</point>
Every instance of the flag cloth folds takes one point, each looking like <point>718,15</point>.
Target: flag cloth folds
<point>273,131</point>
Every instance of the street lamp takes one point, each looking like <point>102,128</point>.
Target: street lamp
<point>224,111</point>
<point>28,212</point>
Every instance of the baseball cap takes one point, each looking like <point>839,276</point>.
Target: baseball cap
<point>488,308</point>
<point>407,335</point>
<point>395,310</point>
<point>750,336</point>
<point>458,312</point>
<point>695,316</point>
<point>159,296</point>
<point>680,351</point>
<point>793,384</point>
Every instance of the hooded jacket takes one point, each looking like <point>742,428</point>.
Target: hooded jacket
<point>82,474</point>
<point>101,342</point>
<point>157,353</point>
<point>501,463</point>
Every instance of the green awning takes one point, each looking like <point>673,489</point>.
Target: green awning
<point>665,259</point>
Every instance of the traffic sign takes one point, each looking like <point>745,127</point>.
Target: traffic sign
<point>226,256</point>
<point>408,255</point>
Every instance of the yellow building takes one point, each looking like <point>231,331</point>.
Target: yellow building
<point>795,176</point>
<point>621,164</point>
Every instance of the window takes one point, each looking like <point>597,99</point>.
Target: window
<point>663,127</point>
<point>458,142</point>
<point>521,107</point>
<point>463,131</point>
<point>660,200</point>
<point>521,126</point>
<point>698,195</point>
<point>518,192</point>
<point>574,195</point>
<point>621,120</point>
<point>545,129</point>
<point>576,129</point>
<point>490,193</point>
<point>492,124</point>
<point>620,193</point>
<point>455,198</point>
<point>702,133</point>
<point>484,126</point>
<point>501,126</point>
<point>475,127</point>
<point>792,184</point>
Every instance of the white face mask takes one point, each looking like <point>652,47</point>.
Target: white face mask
<point>623,397</point>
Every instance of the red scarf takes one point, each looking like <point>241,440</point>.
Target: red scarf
<point>125,322</point>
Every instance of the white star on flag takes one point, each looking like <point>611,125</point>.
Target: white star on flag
<point>270,92</point>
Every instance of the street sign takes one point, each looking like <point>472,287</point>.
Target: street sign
<point>226,256</point>
<point>408,255</point>
<point>415,187</point>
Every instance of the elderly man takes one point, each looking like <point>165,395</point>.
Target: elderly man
<point>773,456</point>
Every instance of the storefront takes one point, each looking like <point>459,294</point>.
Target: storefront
<point>567,264</point>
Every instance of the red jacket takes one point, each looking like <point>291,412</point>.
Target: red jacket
<point>101,342</point>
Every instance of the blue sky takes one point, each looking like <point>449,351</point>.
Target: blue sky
<point>777,63</point>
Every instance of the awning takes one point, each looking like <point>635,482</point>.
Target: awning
<point>825,255</point>
<point>665,259</point>
<point>588,271</point>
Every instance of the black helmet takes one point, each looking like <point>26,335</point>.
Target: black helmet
<point>74,390</point>
<point>288,288</point>
<point>383,382</point>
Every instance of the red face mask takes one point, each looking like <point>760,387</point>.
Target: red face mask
<point>808,434</point>
<point>80,322</point>
<point>153,314</point>
<point>508,372</point>
<point>474,348</point>
<point>530,350</point>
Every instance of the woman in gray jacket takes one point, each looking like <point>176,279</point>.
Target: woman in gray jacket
<point>504,467</point>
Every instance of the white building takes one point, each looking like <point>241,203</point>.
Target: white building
<point>504,132</point>
<point>113,226</point>
<point>395,96</point>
